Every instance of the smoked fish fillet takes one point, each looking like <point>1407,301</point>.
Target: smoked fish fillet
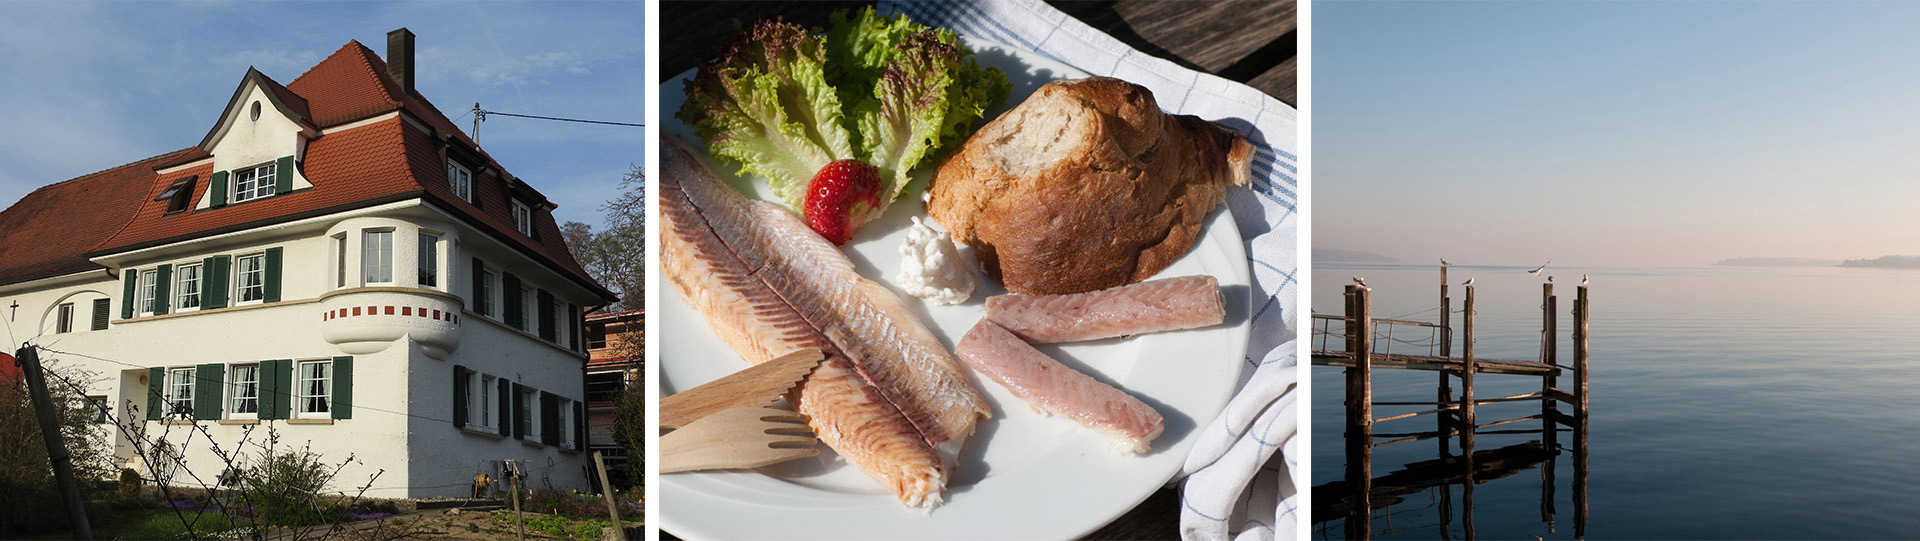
<point>1058,389</point>
<point>889,397</point>
<point>1167,304</point>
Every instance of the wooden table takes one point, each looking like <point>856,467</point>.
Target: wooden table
<point>1250,41</point>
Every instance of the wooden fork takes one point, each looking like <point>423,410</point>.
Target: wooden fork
<point>738,438</point>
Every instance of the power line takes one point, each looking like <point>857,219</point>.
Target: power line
<point>482,116</point>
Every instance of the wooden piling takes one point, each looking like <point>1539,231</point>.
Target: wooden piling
<point>1467,368</point>
<point>1580,313</point>
<point>1549,406</point>
<point>1360,411</point>
<point>1580,356</point>
<point>1445,394</point>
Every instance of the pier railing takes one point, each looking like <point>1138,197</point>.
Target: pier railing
<point>1367,343</point>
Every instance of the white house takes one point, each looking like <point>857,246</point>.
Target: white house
<point>337,260</point>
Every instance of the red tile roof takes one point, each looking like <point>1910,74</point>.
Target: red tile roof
<point>364,166</point>
<point>72,213</point>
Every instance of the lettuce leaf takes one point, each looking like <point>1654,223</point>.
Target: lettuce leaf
<point>782,102</point>
<point>765,106</point>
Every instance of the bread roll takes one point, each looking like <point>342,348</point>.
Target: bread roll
<point>1084,186</point>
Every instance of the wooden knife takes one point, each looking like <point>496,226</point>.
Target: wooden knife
<point>757,386</point>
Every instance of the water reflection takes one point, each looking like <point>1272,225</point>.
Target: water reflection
<point>1366,345</point>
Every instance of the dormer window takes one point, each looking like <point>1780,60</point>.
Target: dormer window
<point>461,180</point>
<point>523,218</point>
<point>253,183</point>
<point>178,194</point>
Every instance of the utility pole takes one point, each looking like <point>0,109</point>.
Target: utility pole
<point>28,359</point>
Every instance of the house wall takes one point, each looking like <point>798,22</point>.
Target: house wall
<point>402,373</point>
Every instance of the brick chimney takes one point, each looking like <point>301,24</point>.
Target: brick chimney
<point>400,58</point>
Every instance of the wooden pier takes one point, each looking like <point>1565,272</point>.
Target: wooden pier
<point>1368,345</point>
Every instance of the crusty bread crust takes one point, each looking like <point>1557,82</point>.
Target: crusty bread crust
<point>1084,186</point>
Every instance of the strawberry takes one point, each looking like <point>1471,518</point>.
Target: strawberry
<point>840,197</point>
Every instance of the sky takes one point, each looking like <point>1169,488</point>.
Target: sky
<point>1616,133</point>
<point>90,86</point>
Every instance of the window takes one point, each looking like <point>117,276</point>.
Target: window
<point>560,324</point>
<point>429,260</point>
<point>376,266</point>
<point>63,321</point>
<point>605,387</point>
<point>597,336</point>
<point>340,260</point>
<point>485,405</point>
<point>178,194</point>
<point>529,408</point>
<point>523,218</point>
<point>529,310</point>
<point>460,180</point>
<point>243,391</point>
<point>101,410</point>
<point>314,381</point>
<point>102,311</point>
<point>485,302</point>
<point>187,287</point>
<point>250,284</point>
<point>179,392</point>
<point>148,280</point>
<point>255,183</point>
<point>565,418</point>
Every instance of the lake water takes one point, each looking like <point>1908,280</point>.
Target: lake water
<point>1726,402</point>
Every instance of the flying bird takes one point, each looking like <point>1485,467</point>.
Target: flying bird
<point>1361,281</point>
<point>1583,279</point>
<point>1467,283</point>
<point>1536,271</point>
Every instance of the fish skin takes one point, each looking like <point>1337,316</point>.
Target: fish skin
<point>1165,304</point>
<point>886,342</point>
<point>1058,389</point>
<point>877,361</point>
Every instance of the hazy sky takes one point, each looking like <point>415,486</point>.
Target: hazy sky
<point>1616,133</point>
<point>89,86</point>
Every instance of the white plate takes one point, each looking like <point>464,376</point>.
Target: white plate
<point>1022,476</point>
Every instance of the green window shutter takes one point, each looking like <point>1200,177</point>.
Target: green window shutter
<point>283,175</point>
<point>506,403</point>
<point>460,396</point>
<point>573,327</point>
<point>131,277</point>
<point>549,418</point>
<point>156,383</point>
<point>276,389</point>
<point>272,293</point>
<point>579,425</point>
<point>163,280</point>
<point>101,307</point>
<point>271,393</point>
<point>479,303</point>
<point>213,281</point>
<point>217,190</point>
<point>546,315</point>
<point>343,387</point>
<point>509,290</point>
<point>208,382</point>
<point>519,421</point>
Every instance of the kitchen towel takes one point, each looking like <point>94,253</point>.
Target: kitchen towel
<point>1241,477</point>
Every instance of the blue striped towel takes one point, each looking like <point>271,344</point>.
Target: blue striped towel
<point>1237,486</point>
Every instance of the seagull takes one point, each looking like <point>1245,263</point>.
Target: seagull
<point>1583,279</point>
<point>1443,262</point>
<point>1467,283</point>
<point>1549,279</point>
<point>1536,272</point>
<point>1361,281</point>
